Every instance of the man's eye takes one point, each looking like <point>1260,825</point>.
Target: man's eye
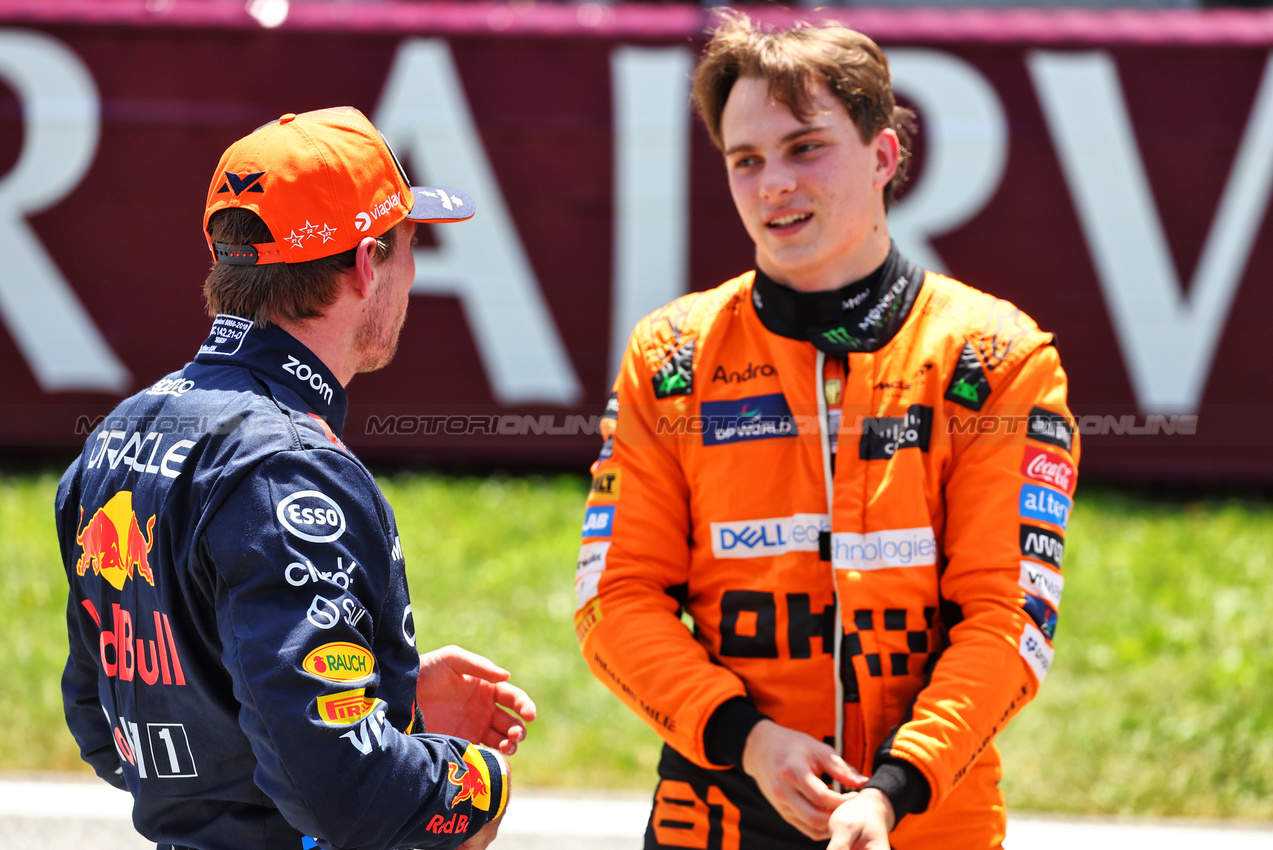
<point>745,162</point>
<point>807,147</point>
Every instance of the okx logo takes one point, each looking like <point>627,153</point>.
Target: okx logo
<point>238,185</point>
<point>112,543</point>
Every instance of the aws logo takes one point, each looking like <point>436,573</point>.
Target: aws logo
<point>238,185</point>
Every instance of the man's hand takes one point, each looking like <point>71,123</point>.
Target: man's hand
<point>461,693</point>
<point>484,836</point>
<point>788,766</point>
<point>862,822</point>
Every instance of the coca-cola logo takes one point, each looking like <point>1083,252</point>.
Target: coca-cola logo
<point>1049,468</point>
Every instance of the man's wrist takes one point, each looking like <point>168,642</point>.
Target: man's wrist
<point>903,785</point>
<point>727,730</point>
<point>880,799</point>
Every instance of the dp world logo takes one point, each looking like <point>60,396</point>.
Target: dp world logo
<point>312,516</point>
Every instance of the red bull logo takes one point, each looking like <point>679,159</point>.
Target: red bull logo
<point>112,543</point>
<point>474,782</point>
<point>128,655</point>
<point>456,823</point>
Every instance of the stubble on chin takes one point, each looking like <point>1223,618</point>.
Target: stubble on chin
<point>376,338</point>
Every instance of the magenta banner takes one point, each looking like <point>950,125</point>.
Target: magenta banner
<point>1110,173</point>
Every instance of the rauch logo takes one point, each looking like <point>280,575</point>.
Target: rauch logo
<point>340,662</point>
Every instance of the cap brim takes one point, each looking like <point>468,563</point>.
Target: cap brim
<point>440,204</point>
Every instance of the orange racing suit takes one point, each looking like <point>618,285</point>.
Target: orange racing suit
<point>864,526</point>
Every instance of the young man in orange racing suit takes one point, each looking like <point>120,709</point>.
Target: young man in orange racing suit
<point>853,475</point>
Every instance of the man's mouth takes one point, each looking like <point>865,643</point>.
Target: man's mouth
<point>788,220</point>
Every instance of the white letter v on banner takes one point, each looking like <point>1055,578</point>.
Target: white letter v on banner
<point>1167,339</point>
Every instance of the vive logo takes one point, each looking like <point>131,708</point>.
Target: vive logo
<point>239,185</point>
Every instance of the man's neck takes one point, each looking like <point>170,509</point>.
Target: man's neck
<point>329,344</point>
<point>865,258</point>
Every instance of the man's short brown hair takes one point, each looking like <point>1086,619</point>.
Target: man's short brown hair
<point>273,292</point>
<point>851,65</point>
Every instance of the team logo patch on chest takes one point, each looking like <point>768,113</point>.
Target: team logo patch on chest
<point>676,375</point>
<point>883,436</point>
<point>968,385</point>
<point>760,417</point>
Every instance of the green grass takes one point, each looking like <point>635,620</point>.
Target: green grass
<point>1160,701</point>
<point>1161,698</point>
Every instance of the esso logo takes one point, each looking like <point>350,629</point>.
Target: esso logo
<point>312,516</point>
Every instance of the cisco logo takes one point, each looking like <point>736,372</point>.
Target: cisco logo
<point>312,516</point>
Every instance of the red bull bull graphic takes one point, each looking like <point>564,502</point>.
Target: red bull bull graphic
<point>474,782</point>
<point>112,543</point>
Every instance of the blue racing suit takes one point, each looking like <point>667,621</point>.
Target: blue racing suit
<point>242,651</point>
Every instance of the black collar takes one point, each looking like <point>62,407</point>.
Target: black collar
<point>292,370</point>
<point>862,316</point>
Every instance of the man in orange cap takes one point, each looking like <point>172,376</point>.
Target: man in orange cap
<point>852,474</point>
<point>246,664</point>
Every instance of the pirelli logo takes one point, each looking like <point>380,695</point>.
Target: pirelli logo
<point>347,707</point>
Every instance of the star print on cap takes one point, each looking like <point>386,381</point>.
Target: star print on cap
<point>321,181</point>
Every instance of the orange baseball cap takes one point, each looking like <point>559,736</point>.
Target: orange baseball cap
<point>321,181</point>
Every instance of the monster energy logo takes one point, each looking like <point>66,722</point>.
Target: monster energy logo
<point>672,383</point>
<point>965,390</point>
<point>676,377</point>
<point>839,336</point>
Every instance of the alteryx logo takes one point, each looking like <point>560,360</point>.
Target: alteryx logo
<point>598,521</point>
<point>757,418</point>
<point>1045,504</point>
<point>764,538</point>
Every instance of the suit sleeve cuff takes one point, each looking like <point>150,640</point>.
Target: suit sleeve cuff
<point>904,785</point>
<point>727,729</point>
<point>499,781</point>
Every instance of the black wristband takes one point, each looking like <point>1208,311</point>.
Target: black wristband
<point>726,731</point>
<point>906,788</point>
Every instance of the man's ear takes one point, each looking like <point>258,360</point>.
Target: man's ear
<point>888,153</point>
<point>364,270</point>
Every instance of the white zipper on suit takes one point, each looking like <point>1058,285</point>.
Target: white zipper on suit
<point>824,426</point>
